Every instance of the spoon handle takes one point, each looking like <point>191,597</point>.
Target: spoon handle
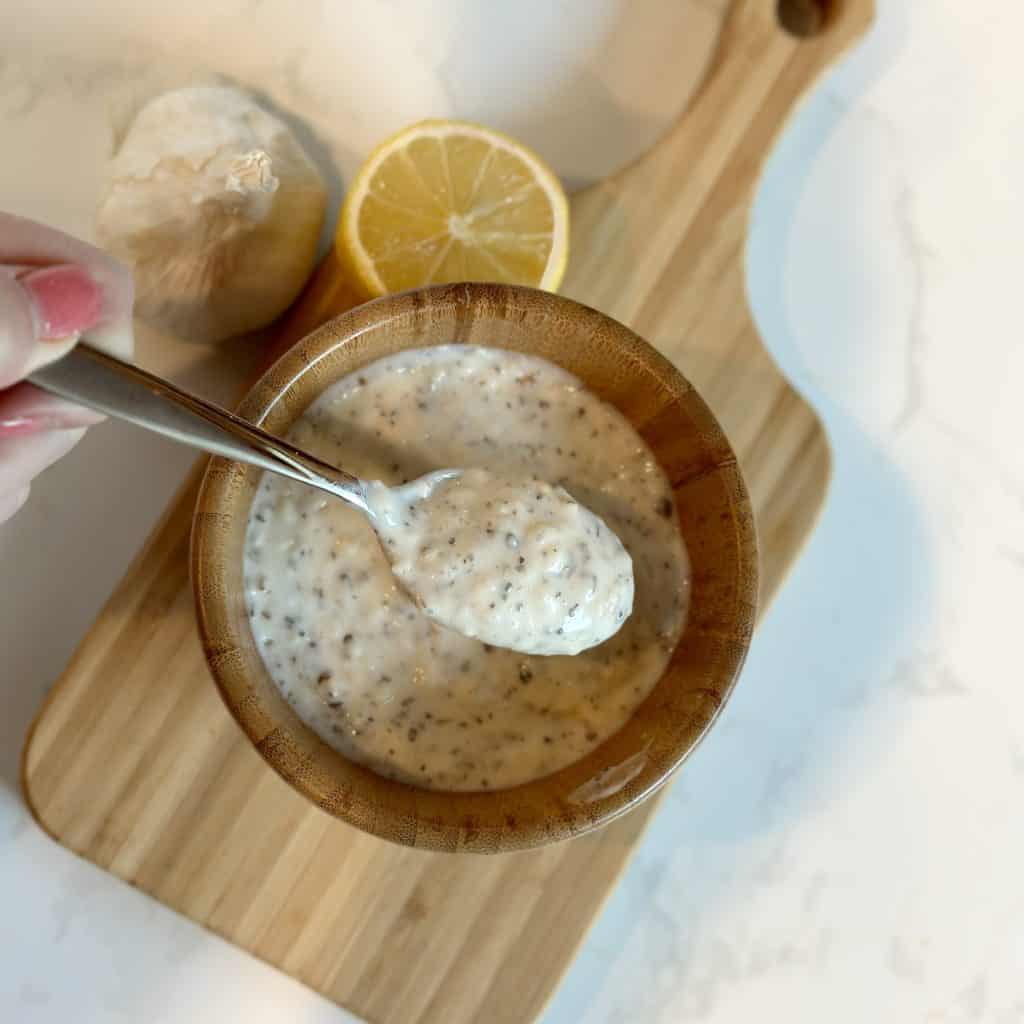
<point>126,392</point>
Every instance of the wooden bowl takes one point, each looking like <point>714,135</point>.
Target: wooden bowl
<point>714,517</point>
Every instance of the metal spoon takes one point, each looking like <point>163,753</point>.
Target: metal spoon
<point>126,392</point>
<point>103,382</point>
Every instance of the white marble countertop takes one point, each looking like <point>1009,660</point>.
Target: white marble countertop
<point>847,843</point>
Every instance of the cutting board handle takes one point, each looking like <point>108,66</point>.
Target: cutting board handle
<point>680,212</point>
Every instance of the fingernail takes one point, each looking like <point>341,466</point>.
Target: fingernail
<point>23,426</point>
<point>65,299</point>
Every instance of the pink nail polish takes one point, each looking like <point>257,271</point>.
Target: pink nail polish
<point>65,298</point>
<point>17,426</point>
<point>24,426</point>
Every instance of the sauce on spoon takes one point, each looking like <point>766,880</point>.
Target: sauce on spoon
<point>518,564</point>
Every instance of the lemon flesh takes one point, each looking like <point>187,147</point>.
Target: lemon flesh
<point>447,201</point>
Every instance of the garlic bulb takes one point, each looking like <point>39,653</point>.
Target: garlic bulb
<point>218,210</point>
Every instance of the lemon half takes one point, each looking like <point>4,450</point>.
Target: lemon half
<point>446,201</point>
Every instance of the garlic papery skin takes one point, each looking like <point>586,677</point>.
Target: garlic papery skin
<point>252,172</point>
<point>217,209</point>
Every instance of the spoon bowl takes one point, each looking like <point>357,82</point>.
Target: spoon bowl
<point>477,551</point>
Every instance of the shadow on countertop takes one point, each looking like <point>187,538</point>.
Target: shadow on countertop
<point>817,704</point>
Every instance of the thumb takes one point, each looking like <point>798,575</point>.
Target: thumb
<point>43,310</point>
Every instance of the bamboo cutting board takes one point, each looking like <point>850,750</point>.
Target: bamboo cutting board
<point>135,764</point>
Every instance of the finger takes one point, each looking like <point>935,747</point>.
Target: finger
<point>42,314</point>
<point>24,458</point>
<point>10,503</point>
<point>25,410</point>
<point>28,244</point>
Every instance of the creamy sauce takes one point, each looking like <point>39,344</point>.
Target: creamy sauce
<point>364,666</point>
<point>516,563</point>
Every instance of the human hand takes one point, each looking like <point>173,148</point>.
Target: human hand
<point>52,288</point>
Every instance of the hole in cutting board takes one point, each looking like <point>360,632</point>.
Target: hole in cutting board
<point>805,18</point>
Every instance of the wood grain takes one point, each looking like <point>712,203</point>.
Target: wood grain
<point>135,764</point>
